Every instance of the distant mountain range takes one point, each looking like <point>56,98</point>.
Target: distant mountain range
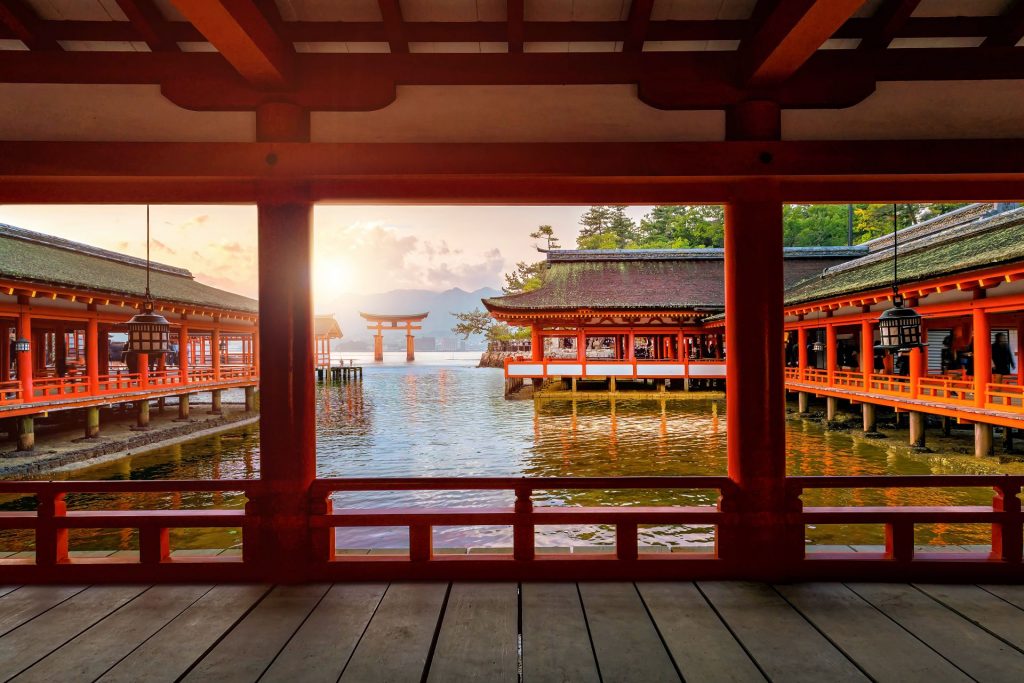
<point>440,305</point>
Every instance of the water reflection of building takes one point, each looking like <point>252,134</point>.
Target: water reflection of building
<point>628,315</point>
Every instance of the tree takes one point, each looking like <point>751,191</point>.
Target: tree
<point>546,232</point>
<point>606,227</point>
<point>682,227</point>
<point>526,277</point>
<point>472,322</point>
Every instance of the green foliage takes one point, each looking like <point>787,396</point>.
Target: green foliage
<point>473,322</point>
<point>503,332</point>
<point>547,233</point>
<point>526,277</point>
<point>681,227</point>
<point>606,227</point>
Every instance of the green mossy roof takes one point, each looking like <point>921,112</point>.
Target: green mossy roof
<point>38,259</point>
<point>954,251</point>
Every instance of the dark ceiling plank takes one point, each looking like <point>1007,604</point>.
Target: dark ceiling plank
<point>638,22</point>
<point>391,12</point>
<point>150,24</point>
<point>242,34</point>
<point>515,20</point>
<point>788,36</point>
<point>1010,29</point>
<point>25,24</point>
<point>887,22</point>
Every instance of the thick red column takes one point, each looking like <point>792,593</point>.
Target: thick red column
<point>801,342</point>
<point>287,417</point>
<point>867,350</point>
<point>536,343</point>
<point>831,351</point>
<point>92,354</point>
<point>761,540</point>
<point>183,348</point>
<point>215,350</point>
<point>25,357</point>
<point>982,355</point>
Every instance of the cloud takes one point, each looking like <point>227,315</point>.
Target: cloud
<point>160,246</point>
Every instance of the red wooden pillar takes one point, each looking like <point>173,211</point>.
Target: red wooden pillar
<point>982,355</point>
<point>92,354</point>
<point>867,351</point>
<point>761,539</point>
<point>183,347</point>
<point>256,352</point>
<point>1020,350</point>
<point>215,349</point>
<point>831,352</point>
<point>410,345</point>
<point>536,343</point>
<point>279,537</point>
<point>801,362</point>
<point>25,357</point>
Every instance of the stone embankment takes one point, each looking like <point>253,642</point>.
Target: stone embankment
<point>496,359</point>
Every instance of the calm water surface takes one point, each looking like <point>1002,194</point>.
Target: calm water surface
<point>443,417</point>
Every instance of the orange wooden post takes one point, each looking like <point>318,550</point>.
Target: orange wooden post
<point>982,355</point>
<point>92,355</point>
<point>899,540</point>
<point>278,539</point>
<point>256,353</point>
<point>51,540</point>
<point>143,363</point>
<point>523,529</point>
<point>801,357</point>
<point>410,346</point>
<point>831,352</point>
<point>25,357</point>
<point>378,344</point>
<point>763,539</point>
<point>154,545</point>
<point>421,543</point>
<point>536,343</point>
<point>867,351</point>
<point>1020,351</point>
<point>215,350</point>
<point>1008,536</point>
<point>916,372</point>
<point>626,540</point>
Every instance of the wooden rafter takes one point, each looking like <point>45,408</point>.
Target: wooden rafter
<point>391,12</point>
<point>150,24</point>
<point>887,22</point>
<point>515,20</point>
<point>789,35</point>
<point>19,17</point>
<point>1010,29</point>
<point>639,21</point>
<point>242,34</point>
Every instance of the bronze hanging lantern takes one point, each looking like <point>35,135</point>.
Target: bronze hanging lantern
<point>148,331</point>
<point>21,345</point>
<point>899,328</point>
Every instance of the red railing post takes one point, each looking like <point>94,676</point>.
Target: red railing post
<point>143,361</point>
<point>154,545</point>
<point>523,530</point>
<point>1008,534</point>
<point>421,542</point>
<point>982,355</point>
<point>899,540</point>
<point>51,540</point>
<point>322,538</point>
<point>626,541</point>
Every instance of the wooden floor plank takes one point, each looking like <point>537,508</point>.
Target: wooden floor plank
<point>701,645</point>
<point>556,644</point>
<point>90,654</point>
<point>249,648</point>
<point>1013,593</point>
<point>29,602</point>
<point>4,590</point>
<point>981,655</point>
<point>30,642</point>
<point>322,647</point>
<point>879,646</point>
<point>396,643</point>
<point>479,637</point>
<point>982,608</point>
<point>626,643</point>
<point>780,640</point>
<point>169,653</point>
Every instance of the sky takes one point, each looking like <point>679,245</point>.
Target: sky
<point>357,249</point>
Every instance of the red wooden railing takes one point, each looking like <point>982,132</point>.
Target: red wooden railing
<point>50,522</point>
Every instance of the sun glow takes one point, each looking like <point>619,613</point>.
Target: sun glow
<point>332,276</point>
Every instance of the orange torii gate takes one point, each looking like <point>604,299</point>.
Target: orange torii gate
<point>393,322</point>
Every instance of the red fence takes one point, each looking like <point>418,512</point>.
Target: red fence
<point>50,522</point>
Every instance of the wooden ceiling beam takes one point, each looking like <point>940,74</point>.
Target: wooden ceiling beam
<point>515,25</point>
<point>1010,29</point>
<point>394,26</point>
<point>638,23</point>
<point>242,34</point>
<point>886,23</point>
<point>25,24</point>
<point>788,36</point>
<point>150,24</point>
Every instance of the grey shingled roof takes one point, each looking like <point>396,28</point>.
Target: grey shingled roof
<point>42,260</point>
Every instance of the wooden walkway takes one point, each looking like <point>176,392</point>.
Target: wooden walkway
<point>646,632</point>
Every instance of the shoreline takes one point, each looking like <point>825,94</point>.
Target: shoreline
<point>108,449</point>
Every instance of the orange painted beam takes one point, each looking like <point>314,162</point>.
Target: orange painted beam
<point>394,26</point>
<point>639,22</point>
<point>242,34</point>
<point>789,37</point>
<point>21,19</point>
<point>150,24</point>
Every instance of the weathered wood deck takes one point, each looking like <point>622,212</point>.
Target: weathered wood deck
<point>500,631</point>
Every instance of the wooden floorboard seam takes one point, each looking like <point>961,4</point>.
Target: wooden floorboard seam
<point>1008,602</point>
<point>36,616</point>
<point>153,635</point>
<point>298,627</point>
<point>969,619</point>
<point>733,633</point>
<point>227,631</point>
<point>657,630</point>
<point>363,632</point>
<point>824,635</point>
<point>437,633</point>
<point>590,635</point>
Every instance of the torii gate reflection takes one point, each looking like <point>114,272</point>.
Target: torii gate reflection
<point>383,322</point>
